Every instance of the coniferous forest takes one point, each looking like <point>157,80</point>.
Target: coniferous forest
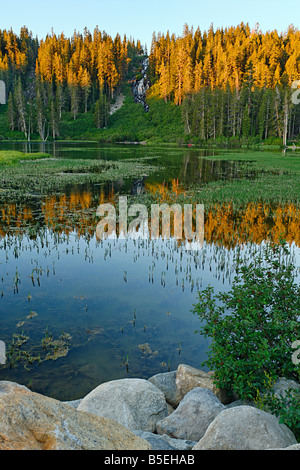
<point>228,83</point>
<point>59,74</point>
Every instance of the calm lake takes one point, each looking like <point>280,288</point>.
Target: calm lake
<point>115,308</point>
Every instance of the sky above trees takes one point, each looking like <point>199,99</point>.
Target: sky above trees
<point>141,19</point>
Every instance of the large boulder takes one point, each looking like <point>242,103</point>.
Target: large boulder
<point>245,428</point>
<point>188,377</point>
<point>134,403</point>
<point>193,415</point>
<point>30,421</point>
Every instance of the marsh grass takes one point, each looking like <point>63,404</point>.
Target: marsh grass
<point>28,175</point>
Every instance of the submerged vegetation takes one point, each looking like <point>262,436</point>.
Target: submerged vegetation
<point>48,349</point>
<point>222,177</point>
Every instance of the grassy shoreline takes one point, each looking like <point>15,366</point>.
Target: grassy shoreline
<point>12,157</point>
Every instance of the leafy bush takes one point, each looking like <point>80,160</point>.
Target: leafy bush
<point>253,326</point>
<point>285,406</point>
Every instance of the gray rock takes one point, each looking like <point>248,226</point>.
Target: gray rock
<point>282,385</point>
<point>192,417</point>
<point>164,442</point>
<point>188,377</point>
<point>134,403</point>
<point>166,382</point>
<point>245,428</point>
<point>157,442</point>
<point>7,388</point>
<point>170,409</point>
<point>73,403</point>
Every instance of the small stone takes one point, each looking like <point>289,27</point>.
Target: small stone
<point>166,382</point>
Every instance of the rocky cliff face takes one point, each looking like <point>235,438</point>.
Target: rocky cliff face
<point>140,87</point>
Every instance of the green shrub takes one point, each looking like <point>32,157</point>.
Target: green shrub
<point>286,407</point>
<point>252,327</point>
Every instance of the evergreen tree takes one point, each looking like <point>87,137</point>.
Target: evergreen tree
<point>101,111</point>
<point>20,107</point>
<point>53,118</point>
<point>11,114</point>
<point>41,116</point>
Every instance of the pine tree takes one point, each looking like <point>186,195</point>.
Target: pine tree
<point>20,107</point>
<point>53,118</point>
<point>74,94</point>
<point>59,97</point>
<point>85,83</point>
<point>101,111</point>
<point>164,82</point>
<point>265,115</point>
<point>186,112</point>
<point>41,117</point>
<point>11,114</point>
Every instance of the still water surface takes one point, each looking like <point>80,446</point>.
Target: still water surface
<point>125,306</point>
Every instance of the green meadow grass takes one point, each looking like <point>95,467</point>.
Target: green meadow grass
<point>12,157</point>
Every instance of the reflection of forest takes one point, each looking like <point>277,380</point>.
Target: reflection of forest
<point>223,225</point>
<point>195,169</point>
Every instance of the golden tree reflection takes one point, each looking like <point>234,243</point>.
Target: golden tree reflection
<point>224,225</point>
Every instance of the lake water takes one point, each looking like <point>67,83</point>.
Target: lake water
<point>121,308</point>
